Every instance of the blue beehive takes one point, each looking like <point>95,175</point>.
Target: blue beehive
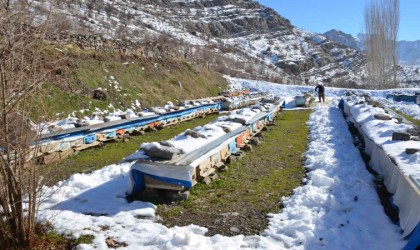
<point>89,139</point>
<point>232,147</point>
<point>111,134</point>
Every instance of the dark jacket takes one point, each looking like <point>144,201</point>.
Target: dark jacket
<point>320,88</point>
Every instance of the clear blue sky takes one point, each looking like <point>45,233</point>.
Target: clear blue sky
<point>345,15</point>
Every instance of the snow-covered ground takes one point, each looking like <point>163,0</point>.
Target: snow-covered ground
<point>338,208</point>
<point>408,108</point>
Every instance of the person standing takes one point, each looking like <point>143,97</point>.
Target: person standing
<point>321,92</point>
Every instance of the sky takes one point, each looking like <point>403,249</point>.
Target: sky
<point>345,15</point>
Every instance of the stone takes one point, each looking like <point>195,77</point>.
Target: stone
<point>255,141</point>
<point>247,148</point>
<point>222,168</point>
<point>194,134</point>
<point>411,151</point>
<point>100,94</point>
<point>125,116</point>
<point>401,136</point>
<point>110,243</point>
<point>234,229</point>
<point>163,152</point>
<point>414,131</point>
<point>384,117</point>
<point>151,129</point>
<point>166,143</point>
<point>226,129</point>
<point>415,138</point>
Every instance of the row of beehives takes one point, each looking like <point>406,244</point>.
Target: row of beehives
<point>59,147</point>
<point>251,99</point>
<point>393,145</point>
<point>204,161</point>
<point>54,150</point>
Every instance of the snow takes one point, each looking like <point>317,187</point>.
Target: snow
<point>325,213</point>
<point>337,208</point>
<point>407,108</point>
<point>380,132</point>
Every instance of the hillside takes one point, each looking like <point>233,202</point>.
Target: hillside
<point>129,82</point>
<point>236,37</point>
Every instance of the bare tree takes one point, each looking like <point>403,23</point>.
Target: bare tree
<point>23,70</point>
<point>381,24</point>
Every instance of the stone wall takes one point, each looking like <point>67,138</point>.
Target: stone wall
<point>150,50</point>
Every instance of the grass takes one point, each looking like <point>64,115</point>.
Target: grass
<point>151,82</point>
<point>46,238</point>
<point>409,118</point>
<point>252,187</point>
<point>93,159</point>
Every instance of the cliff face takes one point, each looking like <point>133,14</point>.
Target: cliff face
<point>255,38</point>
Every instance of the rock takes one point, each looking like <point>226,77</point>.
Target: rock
<point>247,148</point>
<point>150,129</point>
<point>175,195</point>
<point>232,158</point>
<point>163,152</point>
<point>166,143</point>
<point>125,137</point>
<point>415,138</point>
<point>221,167</point>
<point>226,129</point>
<point>125,116</point>
<point>110,243</point>
<point>234,229</point>
<point>411,151</point>
<point>384,117</point>
<point>255,141</point>
<point>239,120</point>
<point>138,132</point>
<point>401,136</point>
<point>414,131</point>
<point>100,94</point>
<point>194,134</point>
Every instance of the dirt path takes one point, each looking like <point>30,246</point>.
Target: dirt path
<point>252,187</point>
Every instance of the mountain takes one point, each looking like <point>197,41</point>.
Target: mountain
<point>343,38</point>
<point>236,37</point>
<point>408,51</point>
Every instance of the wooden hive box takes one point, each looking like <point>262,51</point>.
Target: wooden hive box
<point>240,141</point>
<point>64,145</point>
<point>216,158</point>
<point>89,139</point>
<point>203,170</point>
<point>225,153</point>
<point>77,142</point>
<point>120,131</point>
<point>101,137</point>
<point>233,147</point>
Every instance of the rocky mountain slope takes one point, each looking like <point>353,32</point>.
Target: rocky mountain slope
<point>237,37</point>
<point>342,38</point>
<point>408,51</point>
